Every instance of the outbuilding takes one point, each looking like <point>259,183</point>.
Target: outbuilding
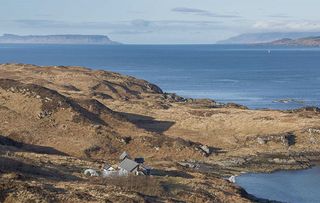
<point>109,171</point>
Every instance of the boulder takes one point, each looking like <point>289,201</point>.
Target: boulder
<point>286,139</point>
<point>205,149</point>
<point>126,140</point>
<point>187,164</point>
<point>261,140</point>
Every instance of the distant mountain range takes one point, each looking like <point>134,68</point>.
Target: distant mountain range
<point>56,39</point>
<point>256,38</point>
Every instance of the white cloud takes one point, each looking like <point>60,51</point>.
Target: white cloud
<point>138,25</point>
<point>201,12</point>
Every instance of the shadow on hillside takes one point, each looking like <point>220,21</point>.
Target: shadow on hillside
<point>217,150</point>
<point>172,173</point>
<point>6,141</point>
<point>9,164</point>
<point>148,123</point>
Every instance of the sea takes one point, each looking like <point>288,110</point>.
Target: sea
<point>300,186</point>
<point>258,77</point>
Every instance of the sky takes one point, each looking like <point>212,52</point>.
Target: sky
<point>158,21</point>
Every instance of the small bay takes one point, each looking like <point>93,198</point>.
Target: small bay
<point>301,186</point>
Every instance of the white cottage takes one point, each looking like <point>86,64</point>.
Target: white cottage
<point>128,166</point>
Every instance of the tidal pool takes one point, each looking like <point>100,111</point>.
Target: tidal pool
<point>302,186</point>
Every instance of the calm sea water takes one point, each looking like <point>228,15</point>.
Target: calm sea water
<point>287,186</point>
<point>247,75</point>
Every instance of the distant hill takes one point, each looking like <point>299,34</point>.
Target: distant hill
<point>254,38</point>
<point>307,41</point>
<point>56,39</point>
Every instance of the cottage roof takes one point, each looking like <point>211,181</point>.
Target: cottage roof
<point>124,155</point>
<point>106,166</point>
<point>128,165</point>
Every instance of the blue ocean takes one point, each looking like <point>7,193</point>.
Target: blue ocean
<point>255,76</point>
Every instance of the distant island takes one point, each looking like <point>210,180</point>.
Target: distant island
<point>256,38</point>
<point>307,41</point>
<point>56,39</point>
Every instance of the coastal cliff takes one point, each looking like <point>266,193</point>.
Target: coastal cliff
<point>57,121</point>
<point>56,39</point>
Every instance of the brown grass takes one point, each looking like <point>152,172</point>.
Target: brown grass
<point>147,185</point>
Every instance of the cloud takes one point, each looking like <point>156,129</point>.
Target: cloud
<point>137,26</point>
<point>130,32</point>
<point>37,23</point>
<point>188,10</point>
<point>64,24</point>
<point>140,23</point>
<point>201,12</point>
<point>279,16</point>
<point>288,25</point>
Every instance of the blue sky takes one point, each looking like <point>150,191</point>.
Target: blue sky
<point>158,21</point>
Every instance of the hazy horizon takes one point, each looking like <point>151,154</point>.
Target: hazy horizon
<point>158,22</point>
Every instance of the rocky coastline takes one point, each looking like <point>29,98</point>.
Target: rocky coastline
<point>57,121</point>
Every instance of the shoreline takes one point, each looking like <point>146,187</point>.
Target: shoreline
<point>281,174</point>
<point>189,141</point>
<point>186,99</point>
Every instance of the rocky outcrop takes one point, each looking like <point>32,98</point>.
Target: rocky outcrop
<point>312,109</point>
<point>236,106</point>
<point>313,130</point>
<point>314,134</point>
<point>285,139</point>
<point>174,97</point>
